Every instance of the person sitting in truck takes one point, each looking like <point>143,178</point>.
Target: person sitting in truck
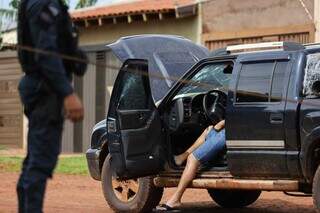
<point>208,146</point>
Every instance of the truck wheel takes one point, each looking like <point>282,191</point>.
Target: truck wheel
<point>134,195</point>
<point>316,190</point>
<point>234,198</point>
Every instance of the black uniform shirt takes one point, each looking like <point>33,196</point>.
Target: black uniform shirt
<point>43,27</point>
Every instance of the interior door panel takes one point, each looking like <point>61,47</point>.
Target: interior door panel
<point>139,141</point>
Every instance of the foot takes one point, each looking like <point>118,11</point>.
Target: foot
<point>166,208</point>
<point>179,159</point>
<point>173,204</point>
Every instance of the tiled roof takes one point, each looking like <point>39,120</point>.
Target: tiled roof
<point>128,8</point>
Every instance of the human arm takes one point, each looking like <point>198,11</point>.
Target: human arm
<point>219,125</point>
<point>43,22</point>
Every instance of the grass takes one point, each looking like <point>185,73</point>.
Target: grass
<point>75,165</point>
<point>71,165</point>
<point>10,164</point>
<point>2,147</point>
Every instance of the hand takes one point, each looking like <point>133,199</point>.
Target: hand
<point>73,108</point>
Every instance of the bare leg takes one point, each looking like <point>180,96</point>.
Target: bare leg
<point>188,175</point>
<point>179,159</point>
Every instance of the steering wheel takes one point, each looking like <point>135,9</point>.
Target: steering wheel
<point>214,103</point>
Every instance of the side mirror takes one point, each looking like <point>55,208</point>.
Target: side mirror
<point>316,88</point>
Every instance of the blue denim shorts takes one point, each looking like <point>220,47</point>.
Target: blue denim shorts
<point>213,145</point>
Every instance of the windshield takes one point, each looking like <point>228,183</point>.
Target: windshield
<point>212,76</point>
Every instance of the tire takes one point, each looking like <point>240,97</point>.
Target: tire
<point>136,195</point>
<point>316,190</point>
<point>234,198</point>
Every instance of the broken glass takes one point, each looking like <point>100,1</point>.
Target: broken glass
<point>312,73</point>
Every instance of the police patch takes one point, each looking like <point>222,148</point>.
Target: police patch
<point>49,14</point>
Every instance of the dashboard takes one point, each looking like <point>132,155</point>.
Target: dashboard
<point>186,111</point>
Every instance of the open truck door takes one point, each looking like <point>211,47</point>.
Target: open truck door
<point>134,127</point>
<point>152,65</point>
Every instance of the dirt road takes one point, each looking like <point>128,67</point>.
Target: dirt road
<point>81,194</point>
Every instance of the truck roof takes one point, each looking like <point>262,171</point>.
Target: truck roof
<point>236,50</point>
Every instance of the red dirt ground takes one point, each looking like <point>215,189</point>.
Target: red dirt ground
<point>81,194</point>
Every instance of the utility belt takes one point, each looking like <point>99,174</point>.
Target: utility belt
<point>77,66</point>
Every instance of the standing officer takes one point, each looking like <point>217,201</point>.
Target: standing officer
<point>45,36</point>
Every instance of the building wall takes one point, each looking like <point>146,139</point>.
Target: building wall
<point>187,27</point>
<point>317,19</point>
<point>94,89</point>
<point>228,22</point>
<point>11,111</point>
<point>9,37</point>
<point>235,15</point>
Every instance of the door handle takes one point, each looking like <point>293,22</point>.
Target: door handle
<point>112,125</point>
<point>141,116</point>
<point>276,118</point>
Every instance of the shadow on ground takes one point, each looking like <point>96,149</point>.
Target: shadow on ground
<point>259,207</point>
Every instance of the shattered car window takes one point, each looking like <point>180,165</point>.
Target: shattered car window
<point>312,73</point>
<point>208,78</point>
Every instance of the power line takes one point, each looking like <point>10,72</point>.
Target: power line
<point>102,65</point>
<point>306,10</point>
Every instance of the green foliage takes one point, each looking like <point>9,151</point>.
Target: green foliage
<point>70,165</point>
<point>14,4</point>
<point>85,3</point>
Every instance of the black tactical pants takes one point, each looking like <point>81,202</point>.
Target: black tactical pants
<point>44,111</point>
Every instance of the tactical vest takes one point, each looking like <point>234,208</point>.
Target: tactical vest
<point>67,41</point>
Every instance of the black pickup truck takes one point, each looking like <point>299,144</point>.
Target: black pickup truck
<point>170,89</point>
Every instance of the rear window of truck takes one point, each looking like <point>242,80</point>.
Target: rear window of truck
<point>312,73</point>
<point>261,82</point>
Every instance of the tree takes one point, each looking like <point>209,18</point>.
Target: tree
<point>9,15</point>
<point>14,4</point>
<point>85,3</point>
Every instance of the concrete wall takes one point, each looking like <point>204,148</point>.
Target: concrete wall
<point>11,111</point>
<point>187,27</point>
<point>9,37</point>
<point>238,15</point>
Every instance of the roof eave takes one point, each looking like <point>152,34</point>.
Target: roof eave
<point>143,16</point>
